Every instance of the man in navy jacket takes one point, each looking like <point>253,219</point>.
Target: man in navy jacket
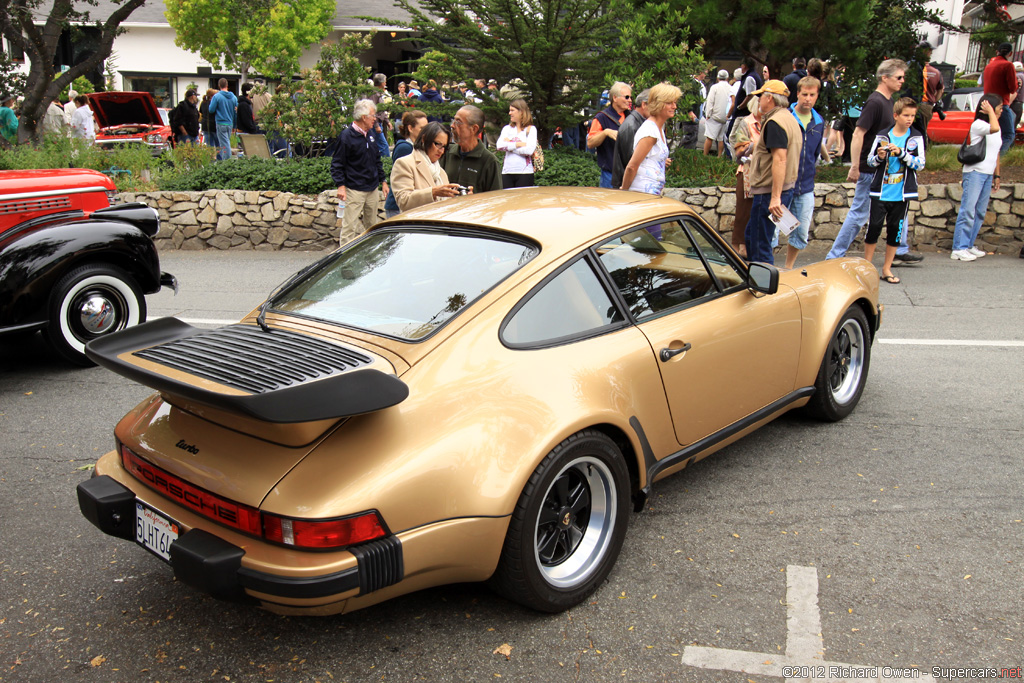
<point>357,170</point>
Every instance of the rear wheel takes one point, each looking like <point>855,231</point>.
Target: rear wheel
<point>844,368</point>
<point>91,302</point>
<point>568,526</point>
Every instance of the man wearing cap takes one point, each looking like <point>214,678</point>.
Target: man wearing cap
<point>716,110</point>
<point>774,167</point>
<point>875,117</point>
<point>8,120</point>
<point>185,119</point>
<point>999,78</point>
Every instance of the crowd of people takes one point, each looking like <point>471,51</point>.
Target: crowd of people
<point>776,130</point>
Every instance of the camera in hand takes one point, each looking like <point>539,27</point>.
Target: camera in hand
<point>463,189</point>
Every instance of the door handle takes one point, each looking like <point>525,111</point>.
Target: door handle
<point>667,354</point>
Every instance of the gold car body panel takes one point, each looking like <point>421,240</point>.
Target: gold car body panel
<point>448,497</point>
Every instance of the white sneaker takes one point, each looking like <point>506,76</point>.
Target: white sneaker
<point>963,255</point>
<point>978,253</point>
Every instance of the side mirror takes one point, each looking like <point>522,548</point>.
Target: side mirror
<point>763,278</point>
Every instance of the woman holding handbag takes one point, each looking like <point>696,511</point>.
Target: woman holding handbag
<point>980,178</point>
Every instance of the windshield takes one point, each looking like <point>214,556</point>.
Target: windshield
<point>405,283</point>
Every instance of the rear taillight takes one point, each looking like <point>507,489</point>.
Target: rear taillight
<point>111,196</point>
<point>311,534</point>
<point>320,534</point>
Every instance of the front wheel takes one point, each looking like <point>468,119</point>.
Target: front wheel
<point>568,526</point>
<point>844,369</point>
<point>88,303</point>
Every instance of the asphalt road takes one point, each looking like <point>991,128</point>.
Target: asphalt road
<point>908,515</point>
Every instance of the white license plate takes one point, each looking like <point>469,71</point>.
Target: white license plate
<point>154,531</point>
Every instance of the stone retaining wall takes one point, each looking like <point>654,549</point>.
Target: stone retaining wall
<point>269,221</point>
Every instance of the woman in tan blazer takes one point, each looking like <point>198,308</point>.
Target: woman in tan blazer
<point>418,179</point>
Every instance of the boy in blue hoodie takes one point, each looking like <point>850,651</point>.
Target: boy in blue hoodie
<point>896,155</point>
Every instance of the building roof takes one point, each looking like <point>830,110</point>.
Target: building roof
<point>152,12</point>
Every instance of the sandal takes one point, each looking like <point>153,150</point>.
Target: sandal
<point>891,279</point>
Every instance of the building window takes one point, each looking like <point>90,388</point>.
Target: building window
<point>14,51</point>
<point>160,87</point>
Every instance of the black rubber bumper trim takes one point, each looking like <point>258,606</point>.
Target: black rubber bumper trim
<point>210,564</point>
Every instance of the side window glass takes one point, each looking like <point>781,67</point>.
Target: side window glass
<point>573,303</point>
<point>656,268</point>
<point>728,274</point>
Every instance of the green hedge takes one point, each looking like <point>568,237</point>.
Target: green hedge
<point>301,176</point>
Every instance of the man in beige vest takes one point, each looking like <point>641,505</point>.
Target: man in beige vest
<point>774,165</point>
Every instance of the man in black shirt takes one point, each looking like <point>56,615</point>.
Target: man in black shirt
<point>185,119</point>
<point>875,117</point>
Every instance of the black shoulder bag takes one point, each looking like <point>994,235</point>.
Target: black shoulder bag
<point>971,154</point>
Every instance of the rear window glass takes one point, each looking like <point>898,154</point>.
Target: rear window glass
<point>405,284</point>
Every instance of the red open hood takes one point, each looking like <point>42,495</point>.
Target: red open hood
<point>121,108</point>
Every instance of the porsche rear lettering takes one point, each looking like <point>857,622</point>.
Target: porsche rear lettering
<point>189,498</point>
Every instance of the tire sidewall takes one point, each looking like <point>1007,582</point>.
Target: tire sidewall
<point>59,330</point>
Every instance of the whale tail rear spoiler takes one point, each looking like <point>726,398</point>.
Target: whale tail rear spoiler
<point>278,376</point>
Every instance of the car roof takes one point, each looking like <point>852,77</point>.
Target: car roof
<point>558,217</point>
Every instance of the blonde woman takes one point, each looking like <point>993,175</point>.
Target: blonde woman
<point>418,179</point>
<point>518,140</point>
<point>645,171</point>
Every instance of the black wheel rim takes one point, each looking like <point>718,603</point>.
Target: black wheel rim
<point>575,522</point>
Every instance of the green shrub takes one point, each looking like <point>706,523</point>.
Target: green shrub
<point>301,176</point>
<point>566,166</point>
<point>965,83</point>
<point>690,168</point>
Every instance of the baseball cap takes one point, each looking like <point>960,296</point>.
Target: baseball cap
<point>492,82</point>
<point>775,87</point>
<point>190,92</point>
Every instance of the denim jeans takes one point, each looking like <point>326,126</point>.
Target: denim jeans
<point>857,218</point>
<point>223,142</point>
<point>606,179</point>
<point>761,228</point>
<point>973,205</point>
<point>803,208</point>
<point>1006,130</point>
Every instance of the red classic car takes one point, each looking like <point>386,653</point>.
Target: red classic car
<point>130,118</point>
<point>959,115</point>
<point>72,265</point>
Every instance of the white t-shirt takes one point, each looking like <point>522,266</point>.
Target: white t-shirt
<point>650,177</point>
<point>980,129</point>
<point>517,159</point>
<point>82,123</point>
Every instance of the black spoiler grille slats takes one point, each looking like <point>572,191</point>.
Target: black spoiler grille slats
<point>246,358</point>
<point>289,377</point>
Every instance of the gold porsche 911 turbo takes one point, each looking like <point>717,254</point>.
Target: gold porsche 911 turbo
<point>481,389</point>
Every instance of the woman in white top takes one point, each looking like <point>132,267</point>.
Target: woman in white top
<point>979,180</point>
<point>418,179</point>
<point>645,171</point>
<point>82,125</point>
<point>518,140</point>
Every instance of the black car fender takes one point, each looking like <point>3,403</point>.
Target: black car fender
<point>36,254</point>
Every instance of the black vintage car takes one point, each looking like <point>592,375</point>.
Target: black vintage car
<point>72,265</point>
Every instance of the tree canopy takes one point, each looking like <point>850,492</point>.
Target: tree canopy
<point>554,47</point>
<point>41,42</point>
<point>267,36</point>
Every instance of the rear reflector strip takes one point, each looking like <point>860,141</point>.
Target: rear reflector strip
<point>235,515</point>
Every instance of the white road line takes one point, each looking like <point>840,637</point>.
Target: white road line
<point>803,620</point>
<point>952,342</point>
<point>804,661</point>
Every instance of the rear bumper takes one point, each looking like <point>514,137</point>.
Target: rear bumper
<point>214,566</point>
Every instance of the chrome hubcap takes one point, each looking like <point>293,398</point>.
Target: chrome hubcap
<point>97,314</point>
